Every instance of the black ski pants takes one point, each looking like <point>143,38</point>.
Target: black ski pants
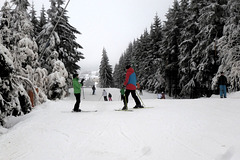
<point>133,93</point>
<point>78,100</point>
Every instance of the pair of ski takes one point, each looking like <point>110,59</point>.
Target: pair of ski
<point>126,110</point>
<point>85,111</point>
<point>130,110</point>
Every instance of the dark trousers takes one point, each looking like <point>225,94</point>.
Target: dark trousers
<point>105,98</point>
<point>78,100</point>
<point>122,97</point>
<point>223,91</point>
<point>133,93</point>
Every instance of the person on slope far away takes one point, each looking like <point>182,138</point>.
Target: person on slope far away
<point>130,83</point>
<point>93,89</point>
<point>222,82</point>
<point>77,91</point>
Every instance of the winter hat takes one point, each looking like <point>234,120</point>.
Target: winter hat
<point>75,75</point>
<point>128,66</point>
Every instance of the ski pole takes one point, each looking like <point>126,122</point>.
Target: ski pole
<point>140,99</point>
<point>125,102</point>
<point>83,92</point>
<point>100,98</point>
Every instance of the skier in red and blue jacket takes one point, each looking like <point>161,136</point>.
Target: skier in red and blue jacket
<point>130,83</point>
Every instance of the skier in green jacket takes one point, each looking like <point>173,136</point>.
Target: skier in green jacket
<point>77,91</point>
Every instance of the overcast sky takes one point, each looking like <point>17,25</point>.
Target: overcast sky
<point>111,24</point>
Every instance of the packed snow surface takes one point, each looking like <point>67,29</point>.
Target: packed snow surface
<point>172,129</point>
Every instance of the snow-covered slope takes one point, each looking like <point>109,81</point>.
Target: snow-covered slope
<point>199,129</point>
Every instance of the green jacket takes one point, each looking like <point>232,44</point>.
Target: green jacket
<point>76,86</point>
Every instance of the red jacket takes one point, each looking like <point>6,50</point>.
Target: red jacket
<point>130,80</point>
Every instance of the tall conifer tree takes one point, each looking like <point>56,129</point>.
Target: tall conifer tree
<point>105,71</point>
<point>34,20</point>
<point>43,18</point>
<point>68,49</point>
<point>171,43</point>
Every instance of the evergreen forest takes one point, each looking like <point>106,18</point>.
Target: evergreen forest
<point>184,55</point>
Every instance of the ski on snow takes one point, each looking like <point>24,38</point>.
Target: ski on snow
<point>85,111</point>
<point>126,110</point>
<point>133,109</point>
<point>89,111</point>
<point>144,108</point>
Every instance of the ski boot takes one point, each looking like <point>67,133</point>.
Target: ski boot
<point>78,110</point>
<point>124,108</point>
<point>138,106</point>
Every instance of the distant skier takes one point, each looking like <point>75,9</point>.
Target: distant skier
<point>93,89</point>
<point>77,91</point>
<point>130,83</point>
<point>109,96</point>
<point>159,95</point>
<point>222,82</point>
<point>104,94</point>
<point>163,95</point>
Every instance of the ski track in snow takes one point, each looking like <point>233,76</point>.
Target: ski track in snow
<point>201,129</point>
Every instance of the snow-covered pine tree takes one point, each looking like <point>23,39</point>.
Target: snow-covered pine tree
<point>5,19</point>
<point>140,55</point>
<point>57,87</point>
<point>119,72</point>
<point>136,55</point>
<point>188,41</point>
<point>128,56</point>
<point>14,99</point>
<point>105,71</point>
<point>170,53</point>
<point>42,38</point>
<point>6,95</point>
<point>34,20</point>
<point>68,49</point>
<point>116,79</point>
<point>47,44</point>
<point>56,81</point>
<point>153,57</point>
<point>228,47</point>
<point>40,77</point>
<point>43,18</point>
<point>24,47</point>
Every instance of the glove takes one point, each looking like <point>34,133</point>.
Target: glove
<point>82,81</point>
